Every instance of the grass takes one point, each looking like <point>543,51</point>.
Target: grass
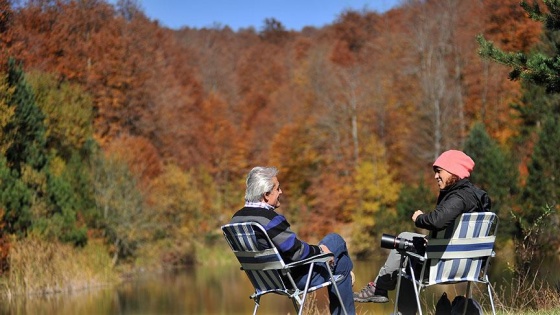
<point>527,295</point>
<point>38,267</point>
<point>41,267</point>
<point>524,294</point>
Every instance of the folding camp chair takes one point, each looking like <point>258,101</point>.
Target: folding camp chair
<point>460,253</point>
<point>264,266</point>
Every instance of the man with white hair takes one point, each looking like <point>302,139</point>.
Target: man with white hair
<point>262,197</point>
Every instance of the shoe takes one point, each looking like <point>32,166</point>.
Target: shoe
<point>371,294</point>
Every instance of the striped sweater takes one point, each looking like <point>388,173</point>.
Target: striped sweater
<point>290,247</point>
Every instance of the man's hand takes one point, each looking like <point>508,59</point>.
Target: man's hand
<point>325,249</point>
<point>416,214</point>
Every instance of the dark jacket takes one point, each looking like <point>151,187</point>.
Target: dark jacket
<point>461,197</point>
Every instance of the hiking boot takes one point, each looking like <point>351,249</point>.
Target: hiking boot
<point>371,294</point>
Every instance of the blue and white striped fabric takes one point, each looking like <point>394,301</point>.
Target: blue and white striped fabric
<point>459,253</point>
<point>262,263</point>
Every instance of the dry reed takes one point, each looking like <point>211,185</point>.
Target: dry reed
<point>41,267</point>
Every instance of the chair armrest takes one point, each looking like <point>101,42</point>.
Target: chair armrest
<point>325,257</point>
<point>415,255</point>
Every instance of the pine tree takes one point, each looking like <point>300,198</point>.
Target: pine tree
<point>539,112</point>
<point>539,66</point>
<point>23,139</point>
<point>543,182</point>
<point>495,172</point>
<point>414,197</point>
<point>38,191</point>
<point>15,199</point>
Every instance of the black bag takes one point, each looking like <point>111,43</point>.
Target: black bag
<point>458,304</point>
<point>445,307</point>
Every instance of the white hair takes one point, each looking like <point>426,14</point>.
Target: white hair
<point>259,182</point>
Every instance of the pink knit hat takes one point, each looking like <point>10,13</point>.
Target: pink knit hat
<point>455,162</point>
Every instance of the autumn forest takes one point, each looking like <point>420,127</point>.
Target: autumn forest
<point>115,130</point>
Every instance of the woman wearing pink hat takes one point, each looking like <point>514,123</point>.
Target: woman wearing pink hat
<point>457,195</point>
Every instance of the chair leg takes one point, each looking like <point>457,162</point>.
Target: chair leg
<point>399,277</point>
<point>416,289</point>
<point>256,299</point>
<point>336,289</point>
<point>306,288</point>
<point>490,296</point>
<point>296,304</point>
<point>468,296</point>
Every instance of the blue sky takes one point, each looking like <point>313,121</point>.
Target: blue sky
<point>293,14</point>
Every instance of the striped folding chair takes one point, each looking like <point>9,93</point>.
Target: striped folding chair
<point>264,266</point>
<point>460,253</point>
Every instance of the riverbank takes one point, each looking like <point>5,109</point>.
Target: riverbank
<point>38,267</point>
<point>42,268</point>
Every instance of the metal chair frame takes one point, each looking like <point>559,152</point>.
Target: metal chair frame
<point>461,253</point>
<point>266,269</point>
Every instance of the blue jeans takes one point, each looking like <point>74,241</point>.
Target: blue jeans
<point>342,266</point>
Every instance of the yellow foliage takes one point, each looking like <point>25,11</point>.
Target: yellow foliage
<point>376,185</point>
<point>67,107</point>
<point>57,166</point>
<point>178,202</point>
<point>377,194</point>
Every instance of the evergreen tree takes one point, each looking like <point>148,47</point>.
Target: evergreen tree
<point>543,182</point>
<point>538,69</point>
<point>78,174</point>
<point>61,202</point>
<point>414,197</point>
<point>26,129</point>
<point>495,172</point>
<point>15,199</point>
<point>38,189</point>
<point>68,124</point>
<point>23,140</point>
<point>539,66</point>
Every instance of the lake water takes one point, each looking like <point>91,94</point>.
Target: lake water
<point>203,290</point>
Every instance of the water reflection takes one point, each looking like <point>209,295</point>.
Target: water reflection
<point>209,290</point>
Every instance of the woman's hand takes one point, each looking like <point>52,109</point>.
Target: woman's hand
<point>416,214</point>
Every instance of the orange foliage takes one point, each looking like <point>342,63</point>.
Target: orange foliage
<point>509,26</point>
<point>489,93</point>
<point>331,196</point>
<point>140,155</point>
<point>218,102</point>
<point>342,54</point>
<point>220,141</point>
<point>355,29</point>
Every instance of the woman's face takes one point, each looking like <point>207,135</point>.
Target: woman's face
<point>443,177</point>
